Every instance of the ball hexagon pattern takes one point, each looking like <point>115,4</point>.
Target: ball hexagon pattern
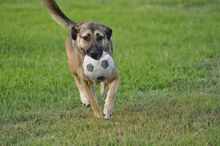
<point>90,67</point>
<point>105,64</point>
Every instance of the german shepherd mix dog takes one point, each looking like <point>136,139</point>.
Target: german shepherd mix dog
<point>87,38</point>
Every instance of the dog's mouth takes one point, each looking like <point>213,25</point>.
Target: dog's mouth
<point>96,56</point>
<point>94,53</point>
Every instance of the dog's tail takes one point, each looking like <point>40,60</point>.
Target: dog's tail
<point>58,15</point>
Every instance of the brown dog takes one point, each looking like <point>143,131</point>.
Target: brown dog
<point>87,38</point>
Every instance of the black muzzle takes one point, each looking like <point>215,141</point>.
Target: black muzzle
<point>94,52</point>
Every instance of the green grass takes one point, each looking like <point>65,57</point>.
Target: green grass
<point>168,56</point>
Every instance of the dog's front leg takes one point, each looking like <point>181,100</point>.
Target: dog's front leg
<point>96,110</point>
<point>109,101</point>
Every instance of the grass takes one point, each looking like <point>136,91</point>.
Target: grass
<point>168,56</point>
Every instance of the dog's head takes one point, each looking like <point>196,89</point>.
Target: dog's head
<point>92,38</point>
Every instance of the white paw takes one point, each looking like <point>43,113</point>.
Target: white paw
<point>108,116</point>
<point>85,101</point>
<point>107,113</point>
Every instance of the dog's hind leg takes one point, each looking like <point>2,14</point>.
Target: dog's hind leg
<point>102,89</point>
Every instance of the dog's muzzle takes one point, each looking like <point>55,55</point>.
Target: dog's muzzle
<point>94,52</point>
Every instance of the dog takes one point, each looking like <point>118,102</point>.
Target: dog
<point>87,38</point>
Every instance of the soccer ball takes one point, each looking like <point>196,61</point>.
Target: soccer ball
<point>98,70</point>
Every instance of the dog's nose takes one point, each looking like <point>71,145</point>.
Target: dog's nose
<point>94,52</point>
<point>94,55</point>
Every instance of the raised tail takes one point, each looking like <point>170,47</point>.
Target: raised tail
<point>58,15</point>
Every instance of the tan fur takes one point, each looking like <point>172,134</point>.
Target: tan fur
<point>75,49</point>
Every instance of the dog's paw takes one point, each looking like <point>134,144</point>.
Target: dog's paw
<point>107,116</point>
<point>108,109</point>
<point>85,101</point>
<point>107,113</point>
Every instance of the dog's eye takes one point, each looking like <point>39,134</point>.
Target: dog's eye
<point>86,38</point>
<point>99,38</point>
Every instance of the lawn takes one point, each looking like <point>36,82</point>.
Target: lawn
<point>168,56</point>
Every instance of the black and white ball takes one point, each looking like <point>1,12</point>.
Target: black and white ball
<point>98,69</point>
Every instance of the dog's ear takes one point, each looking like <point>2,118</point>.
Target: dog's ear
<point>108,32</point>
<point>74,32</point>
